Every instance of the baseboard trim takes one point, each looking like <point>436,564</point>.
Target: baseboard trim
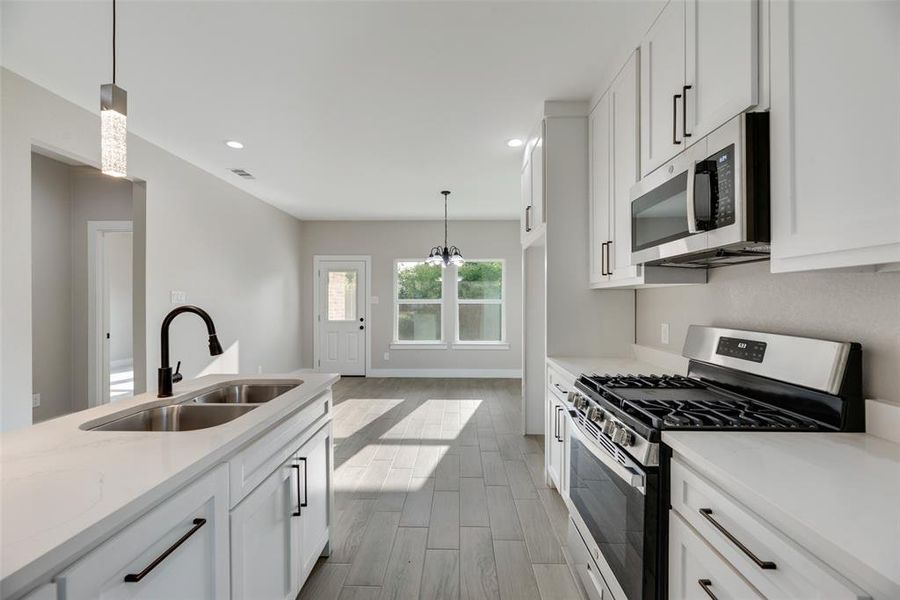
<point>448,373</point>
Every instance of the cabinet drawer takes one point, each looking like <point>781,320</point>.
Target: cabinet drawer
<point>559,384</point>
<point>178,550</point>
<point>770,561</point>
<point>256,462</point>
<point>697,571</point>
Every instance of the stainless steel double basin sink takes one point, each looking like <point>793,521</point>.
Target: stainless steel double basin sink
<point>206,409</point>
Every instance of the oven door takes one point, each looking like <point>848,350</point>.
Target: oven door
<point>608,495</point>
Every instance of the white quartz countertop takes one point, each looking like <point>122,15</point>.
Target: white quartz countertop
<point>64,489</point>
<point>644,363</point>
<point>836,494</point>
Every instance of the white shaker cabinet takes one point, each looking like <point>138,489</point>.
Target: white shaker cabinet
<point>555,458</point>
<point>699,68</point>
<point>280,529</point>
<point>533,203</point>
<point>265,538</point>
<point>662,82</point>
<point>613,144</point>
<point>178,550</point>
<point>835,129</point>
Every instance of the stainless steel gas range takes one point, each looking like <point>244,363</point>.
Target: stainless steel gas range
<point>618,495</point>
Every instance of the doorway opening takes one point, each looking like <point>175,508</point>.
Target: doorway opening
<point>341,342</point>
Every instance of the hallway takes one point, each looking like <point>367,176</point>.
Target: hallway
<point>438,496</point>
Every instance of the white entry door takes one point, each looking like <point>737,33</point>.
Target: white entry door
<point>342,320</point>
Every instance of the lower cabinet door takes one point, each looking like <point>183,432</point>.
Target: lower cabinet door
<point>554,447</point>
<point>177,551</point>
<point>698,572</point>
<point>265,539</point>
<point>315,460</point>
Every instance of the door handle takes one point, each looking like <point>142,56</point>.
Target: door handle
<point>706,584</point>
<point>762,564</point>
<point>305,502</point>
<point>684,130</point>
<point>608,268</point>
<point>297,512</point>
<point>136,577</point>
<point>362,326</point>
<point>675,139</point>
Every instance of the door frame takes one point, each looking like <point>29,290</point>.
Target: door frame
<point>98,350</point>
<point>318,259</point>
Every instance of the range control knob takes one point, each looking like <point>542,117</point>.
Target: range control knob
<point>570,397</point>
<point>592,413</point>
<point>581,402</point>
<point>609,427</point>
<point>623,437</point>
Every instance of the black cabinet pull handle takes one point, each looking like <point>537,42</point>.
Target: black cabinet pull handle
<point>603,259</point>
<point>305,502</point>
<point>684,130</point>
<point>297,512</point>
<point>762,564</point>
<point>675,139</point>
<point>556,423</point>
<point>528,218</point>
<point>136,577</point>
<point>706,584</point>
<point>608,268</point>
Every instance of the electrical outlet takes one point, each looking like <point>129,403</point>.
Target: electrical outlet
<point>35,400</point>
<point>178,297</point>
<point>387,356</point>
<point>664,333</point>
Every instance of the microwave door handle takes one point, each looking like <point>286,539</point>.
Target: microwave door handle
<point>691,207</point>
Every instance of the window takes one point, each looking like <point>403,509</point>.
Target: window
<point>418,303</point>
<point>341,291</point>
<point>481,315</point>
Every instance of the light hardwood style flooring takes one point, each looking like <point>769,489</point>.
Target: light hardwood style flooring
<point>438,496</point>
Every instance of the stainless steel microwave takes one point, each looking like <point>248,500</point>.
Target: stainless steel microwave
<point>709,206</point>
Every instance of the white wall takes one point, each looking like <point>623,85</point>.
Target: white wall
<point>846,306</point>
<point>51,287</point>
<point>386,241</point>
<point>231,253</point>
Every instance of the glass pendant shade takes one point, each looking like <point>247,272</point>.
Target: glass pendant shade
<point>443,255</point>
<point>113,130</point>
<point>456,258</point>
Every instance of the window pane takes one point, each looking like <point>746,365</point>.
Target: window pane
<point>419,322</point>
<point>480,323</point>
<point>480,280</point>
<point>341,288</point>
<point>418,281</point>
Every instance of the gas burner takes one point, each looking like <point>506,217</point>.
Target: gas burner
<point>655,382</point>
<point>731,413</point>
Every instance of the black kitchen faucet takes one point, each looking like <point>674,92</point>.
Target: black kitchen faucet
<point>166,377</point>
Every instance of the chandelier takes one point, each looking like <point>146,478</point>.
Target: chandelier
<point>445,255</point>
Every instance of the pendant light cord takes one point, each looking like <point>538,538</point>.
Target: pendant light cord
<point>114,42</point>
<point>445,220</point>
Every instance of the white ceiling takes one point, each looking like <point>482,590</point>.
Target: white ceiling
<point>348,110</point>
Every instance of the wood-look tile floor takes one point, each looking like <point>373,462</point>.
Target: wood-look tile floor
<point>438,496</point>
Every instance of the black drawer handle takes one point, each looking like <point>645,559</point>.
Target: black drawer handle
<point>305,502</point>
<point>297,512</point>
<point>136,577</point>
<point>762,564</point>
<point>706,584</point>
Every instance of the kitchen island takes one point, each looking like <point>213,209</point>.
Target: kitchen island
<point>68,492</point>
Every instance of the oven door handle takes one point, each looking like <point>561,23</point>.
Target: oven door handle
<point>629,475</point>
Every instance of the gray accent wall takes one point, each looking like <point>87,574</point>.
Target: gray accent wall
<point>840,305</point>
<point>386,241</point>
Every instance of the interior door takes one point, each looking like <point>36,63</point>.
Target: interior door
<point>342,318</point>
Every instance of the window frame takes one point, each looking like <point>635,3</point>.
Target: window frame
<point>476,344</point>
<point>397,343</point>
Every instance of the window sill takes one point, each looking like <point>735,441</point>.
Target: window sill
<point>422,346</point>
<point>481,346</point>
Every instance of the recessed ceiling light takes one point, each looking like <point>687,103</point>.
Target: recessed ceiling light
<point>514,143</point>
<point>234,144</point>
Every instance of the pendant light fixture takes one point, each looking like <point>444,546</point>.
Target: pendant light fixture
<point>444,255</point>
<point>113,110</point>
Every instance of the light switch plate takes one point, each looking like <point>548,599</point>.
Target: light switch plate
<point>664,333</point>
<point>178,297</point>
<point>35,400</point>
<point>387,356</point>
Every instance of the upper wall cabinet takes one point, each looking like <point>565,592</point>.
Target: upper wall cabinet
<point>533,215</point>
<point>699,68</point>
<point>835,130</point>
<point>613,149</point>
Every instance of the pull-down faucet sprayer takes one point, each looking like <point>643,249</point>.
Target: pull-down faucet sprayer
<point>166,377</point>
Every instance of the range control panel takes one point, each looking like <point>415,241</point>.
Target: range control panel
<point>743,349</point>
